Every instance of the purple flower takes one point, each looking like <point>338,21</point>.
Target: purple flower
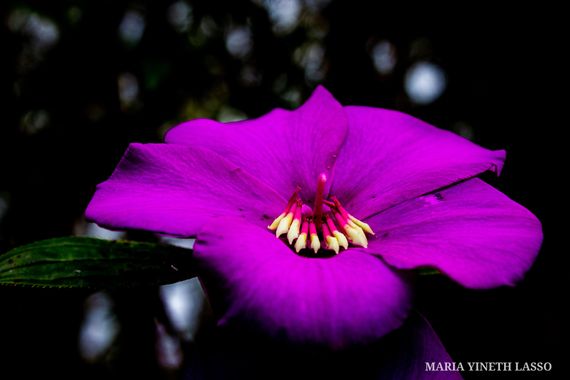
<point>386,191</point>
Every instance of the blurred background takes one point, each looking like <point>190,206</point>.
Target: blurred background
<point>80,80</point>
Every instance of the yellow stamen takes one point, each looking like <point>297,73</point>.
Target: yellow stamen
<point>356,235</point>
<point>315,243</point>
<point>361,224</point>
<point>293,231</point>
<point>332,243</point>
<point>284,225</point>
<point>356,227</point>
<point>342,241</point>
<point>301,242</point>
<point>273,226</point>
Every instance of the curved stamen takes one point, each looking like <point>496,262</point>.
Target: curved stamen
<point>342,240</point>
<point>315,242</point>
<point>361,224</point>
<point>331,241</point>
<point>349,217</point>
<point>301,242</point>
<point>296,224</point>
<point>285,223</point>
<point>294,199</point>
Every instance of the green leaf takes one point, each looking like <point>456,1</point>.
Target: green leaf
<point>79,262</point>
<point>427,271</point>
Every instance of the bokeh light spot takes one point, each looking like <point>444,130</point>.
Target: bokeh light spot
<point>180,16</point>
<point>34,121</point>
<point>83,228</point>
<point>99,327</point>
<point>239,41</point>
<point>384,57</point>
<point>284,14</point>
<point>311,57</point>
<point>132,27</point>
<point>424,82</point>
<point>128,85</point>
<point>184,303</point>
<point>168,350</point>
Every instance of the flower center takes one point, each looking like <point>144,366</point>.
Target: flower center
<point>326,226</point>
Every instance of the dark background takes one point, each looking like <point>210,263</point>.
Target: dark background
<point>69,110</point>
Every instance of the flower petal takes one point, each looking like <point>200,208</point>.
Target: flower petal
<point>284,149</point>
<point>175,189</point>
<point>407,353</point>
<point>390,157</point>
<point>402,355</point>
<point>255,281</point>
<point>471,232</point>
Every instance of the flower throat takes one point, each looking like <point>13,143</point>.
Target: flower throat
<point>326,226</point>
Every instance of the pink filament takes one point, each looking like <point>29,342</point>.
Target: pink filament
<point>339,207</point>
<point>312,228</point>
<point>305,226</point>
<point>298,209</point>
<point>326,231</point>
<point>330,224</point>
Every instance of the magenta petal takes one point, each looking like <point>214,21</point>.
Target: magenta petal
<point>254,279</point>
<point>471,232</point>
<point>402,355</point>
<point>175,189</point>
<point>284,149</point>
<point>390,157</point>
<point>409,351</point>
